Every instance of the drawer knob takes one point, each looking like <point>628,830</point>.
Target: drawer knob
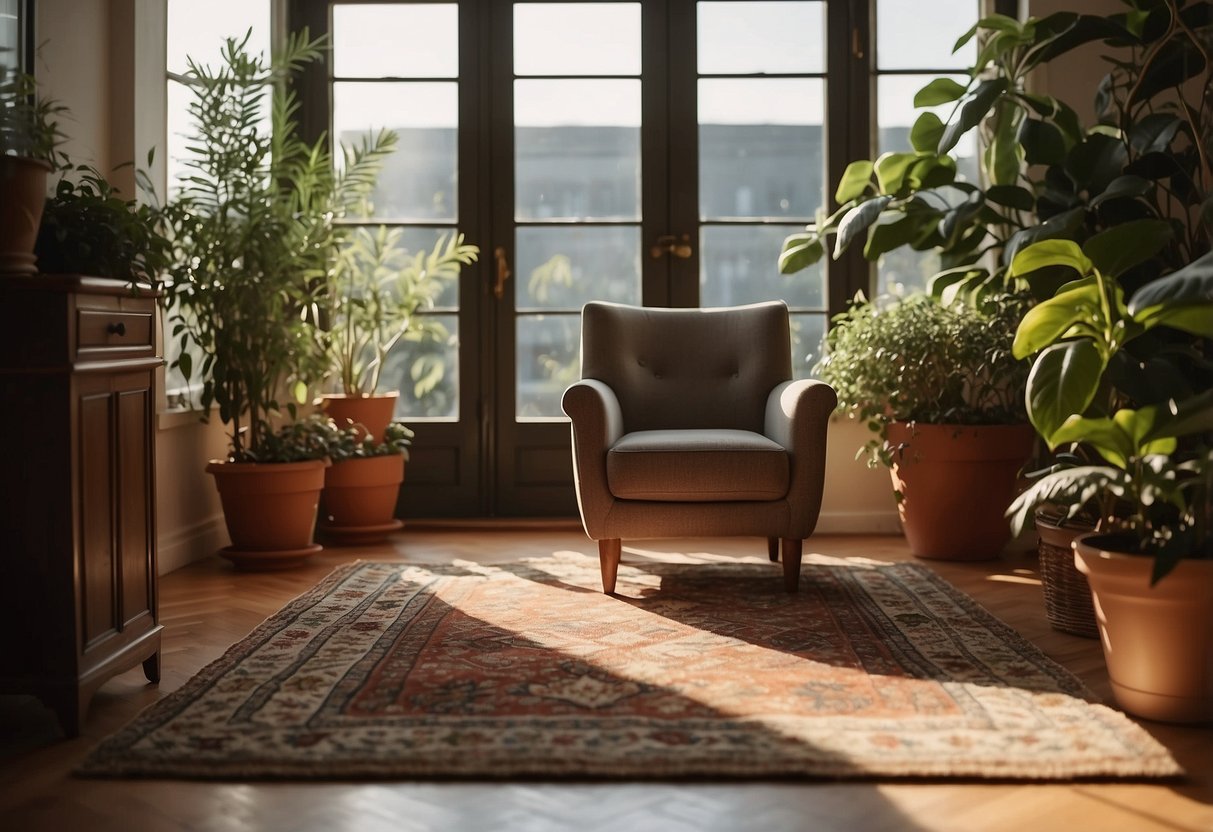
<point>116,329</point>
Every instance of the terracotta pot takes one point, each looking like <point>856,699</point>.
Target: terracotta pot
<point>22,197</point>
<point>1157,641</point>
<point>956,482</point>
<point>270,510</point>
<point>1067,593</point>
<point>360,498</point>
<point>371,414</point>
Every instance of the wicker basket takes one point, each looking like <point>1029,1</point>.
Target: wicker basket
<point>1067,593</point>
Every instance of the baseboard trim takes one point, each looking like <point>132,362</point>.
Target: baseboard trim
<point>194,542</point>
<point>858,522</point>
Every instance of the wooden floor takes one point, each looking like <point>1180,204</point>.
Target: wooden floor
<point>206,606</point>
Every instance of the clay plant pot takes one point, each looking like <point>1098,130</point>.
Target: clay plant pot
<point>1157,640</point>
<point>371,414</point>
<point>22,197</point>
<point>955,483</point>
<point>1067,593</point>
<point>270,510</point>
<point>359,500</point>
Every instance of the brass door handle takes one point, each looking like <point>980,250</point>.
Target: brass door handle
<point>503,272</point>
<point>669,244</point>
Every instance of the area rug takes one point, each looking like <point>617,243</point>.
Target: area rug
<point>692,670</point>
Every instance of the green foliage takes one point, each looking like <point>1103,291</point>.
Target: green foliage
<point>29,123</point>
<point>1120,380</point>
<point>917,360</point>
<point>254,237</point>
<point>88,228</point>
<point>305,439</point>
<point>378,291</point>
<point>346,444</point>
<point>1043,175</point>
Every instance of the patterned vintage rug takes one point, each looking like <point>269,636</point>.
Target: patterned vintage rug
<point>398,670</point>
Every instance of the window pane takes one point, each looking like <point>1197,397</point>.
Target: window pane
<point>739,266</point>
<point>896,114</point>
<point>563,267</point>
<point>577,146</point>
<point>426,372</point>
<point>760,146</point>
<point>198,29</point>
<point>419,180</point>
<point>548,361</point>
<point>10,35</point>
<point>807,334</point>
<point>577,39</point>
<point>909,36</point>
<point>403,40</point>
<point>761,37</point>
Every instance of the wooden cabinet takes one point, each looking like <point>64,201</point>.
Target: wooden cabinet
<point>77,488</point>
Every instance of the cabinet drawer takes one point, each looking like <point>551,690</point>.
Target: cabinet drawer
<point>118,328</point>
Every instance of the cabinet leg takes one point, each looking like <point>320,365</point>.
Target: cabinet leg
<point>151,668</point>
<point>609,552</point>
<point>773,549</point>
<point>70,707</point>
<point>792,551</point>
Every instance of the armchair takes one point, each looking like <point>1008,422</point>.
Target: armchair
<point>687,422</point>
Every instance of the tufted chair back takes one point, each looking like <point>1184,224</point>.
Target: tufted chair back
<point>688,368</point>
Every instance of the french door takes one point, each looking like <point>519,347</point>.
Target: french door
<point>651,153</point>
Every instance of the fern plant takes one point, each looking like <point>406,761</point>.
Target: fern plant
<point>254,231</point>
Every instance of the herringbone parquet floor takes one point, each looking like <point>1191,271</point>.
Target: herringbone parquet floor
<point>206,606</point>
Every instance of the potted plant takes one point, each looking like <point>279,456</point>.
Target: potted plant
<point>253,233</point>
<point>29,138</point>
<point>88,228</point>
<point>1150,561</point>
<point>363,483</point>
<point>377,291</point>
<point>940,390</point>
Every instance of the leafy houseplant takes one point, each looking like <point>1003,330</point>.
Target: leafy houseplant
<point>1151,562</point>
<point>29,140</point>
<point>940,390</point>
<point>1144,169</point>
<point>88,228</point>
<point>253,234</point>
<point>378,290</point>
<point>363,484</point>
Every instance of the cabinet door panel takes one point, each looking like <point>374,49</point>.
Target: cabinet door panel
<point>134,490</point>
<point>96,557</point>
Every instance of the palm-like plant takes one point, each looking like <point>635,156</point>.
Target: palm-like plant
<point>254,231</point>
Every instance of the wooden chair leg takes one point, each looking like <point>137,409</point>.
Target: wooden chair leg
<point>773,548</point>
<point>792,551</point>
<point>609,552</point>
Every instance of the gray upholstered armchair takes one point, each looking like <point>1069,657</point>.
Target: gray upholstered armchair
<point>686,423</point>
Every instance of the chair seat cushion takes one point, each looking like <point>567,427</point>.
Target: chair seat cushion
<point>697,466</point>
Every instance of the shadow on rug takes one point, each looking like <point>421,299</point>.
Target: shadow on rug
<point>398,670</point>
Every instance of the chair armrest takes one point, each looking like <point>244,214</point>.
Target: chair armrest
<point>597,424</point>
<point>797,416</point>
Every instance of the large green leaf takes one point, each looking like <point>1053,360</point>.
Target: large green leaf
<point>1043,143</point>
<point>1107,437</point>
<point>939,91</point>
<point>854,181</point>
<point>1006,155</point>
<point>1050,253</point>
<point>972,112</point>
<point>886,236</point>
<point>1097,161</point>
<point>857,220</point>
<point>1117,249</point>
<point>800,251</point>
<point>926,132</point>
<point>1062,383</point>
<point>1190,287</point>
<point>1012,196</point>
<point>1059,226</point>
<point>1186,418</point>
<point>1045,323</point>
<point>1122,187</point>
<point>892,170</point>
